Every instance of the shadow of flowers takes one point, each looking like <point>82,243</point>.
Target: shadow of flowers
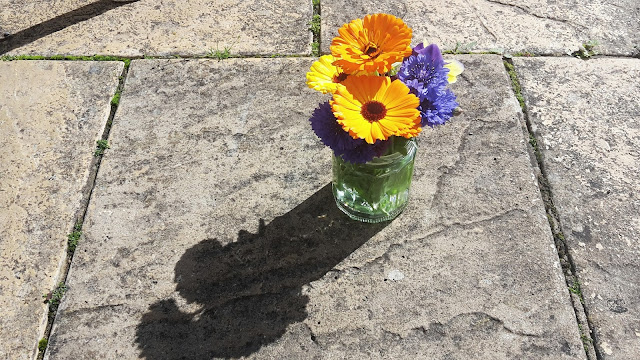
<point>250,290</point>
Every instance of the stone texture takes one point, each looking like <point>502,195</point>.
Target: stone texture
<point>585,114</point>
<point>18,15</point>
<point>538,26</point>
<point>51,114</point>
<point>212,232</point>
<point>166,27</point>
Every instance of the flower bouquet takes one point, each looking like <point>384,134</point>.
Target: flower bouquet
<point>383,93</point>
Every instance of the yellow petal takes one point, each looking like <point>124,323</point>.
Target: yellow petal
<point>321,75</point>
<point>455,68</point>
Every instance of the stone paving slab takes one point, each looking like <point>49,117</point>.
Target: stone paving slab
<point>51,114</point>
<point>162,27</point>
<point>586,115</point>
<point>18,15</point>
<point>212,232</point>
<point>537,26</point>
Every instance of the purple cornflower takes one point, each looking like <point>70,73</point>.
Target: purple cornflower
<point>326,127</point>
<point>425,75</point>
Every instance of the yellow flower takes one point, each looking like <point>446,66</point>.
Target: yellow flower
<point>374,108</point>
<point>325,77</point>
<point>455,68</point>
<point>372,44</point>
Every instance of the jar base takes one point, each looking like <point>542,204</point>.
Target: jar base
<point>368,217</point>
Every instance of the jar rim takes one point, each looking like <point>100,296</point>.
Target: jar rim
<point>411,146</point>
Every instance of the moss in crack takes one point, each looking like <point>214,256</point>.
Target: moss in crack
<point>575,289</point>
<point>115,100</point>
<point>533,142</point>
<point>315,26</point>
<point>126,61</point>
<point>515,84</point>
<point>22,57</point>
<point>536,150</point>
<point>586,339</point>
<point>74,238</point>
<point>42,344</point>
<point>101,146</point>
<point>517,89</point>
<point>54,297</point>
<point>42,347</point>
<point>315,49</point>
<point>586,50</point>
<point>523,54</point>
<point>219,54</point>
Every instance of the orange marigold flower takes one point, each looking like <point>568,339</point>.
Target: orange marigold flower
<point>373,44</point>
<point>374,108</point>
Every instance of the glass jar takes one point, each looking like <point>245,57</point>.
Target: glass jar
<point>377,190</point>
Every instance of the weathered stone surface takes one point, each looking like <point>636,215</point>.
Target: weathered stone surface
<point>18,15</point>
<point>192,27</point>
<point>508,25</point>
<point>585,114</point>
<point>212,232</point>
<point>51,114</point>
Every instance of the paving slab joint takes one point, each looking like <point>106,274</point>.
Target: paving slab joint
<point>126,60</point>
<point>586,50</point>
<point>315,26</point>
<point>214,55</point>
<point>585,327</point>
<point>54,297</point>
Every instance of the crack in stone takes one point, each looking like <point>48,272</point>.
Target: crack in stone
<point>82,311</point>
<point>395,334</point>
<point>598,266</point>
<point>477,13</point>
<point>507,213</point>
<point>504,326</point>
<point>479,314</point>
<point>529,12</point>
<point>440,229</point>
<point>445,169</point>
<point>312,335</point>
<point>473,319</point>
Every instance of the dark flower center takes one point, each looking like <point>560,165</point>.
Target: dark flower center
<point>340,78</point>
<point>373,111</point>
<point>371,49</point>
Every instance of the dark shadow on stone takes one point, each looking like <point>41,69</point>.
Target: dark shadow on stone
<point>250,290</point>
<point>29,35</point>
